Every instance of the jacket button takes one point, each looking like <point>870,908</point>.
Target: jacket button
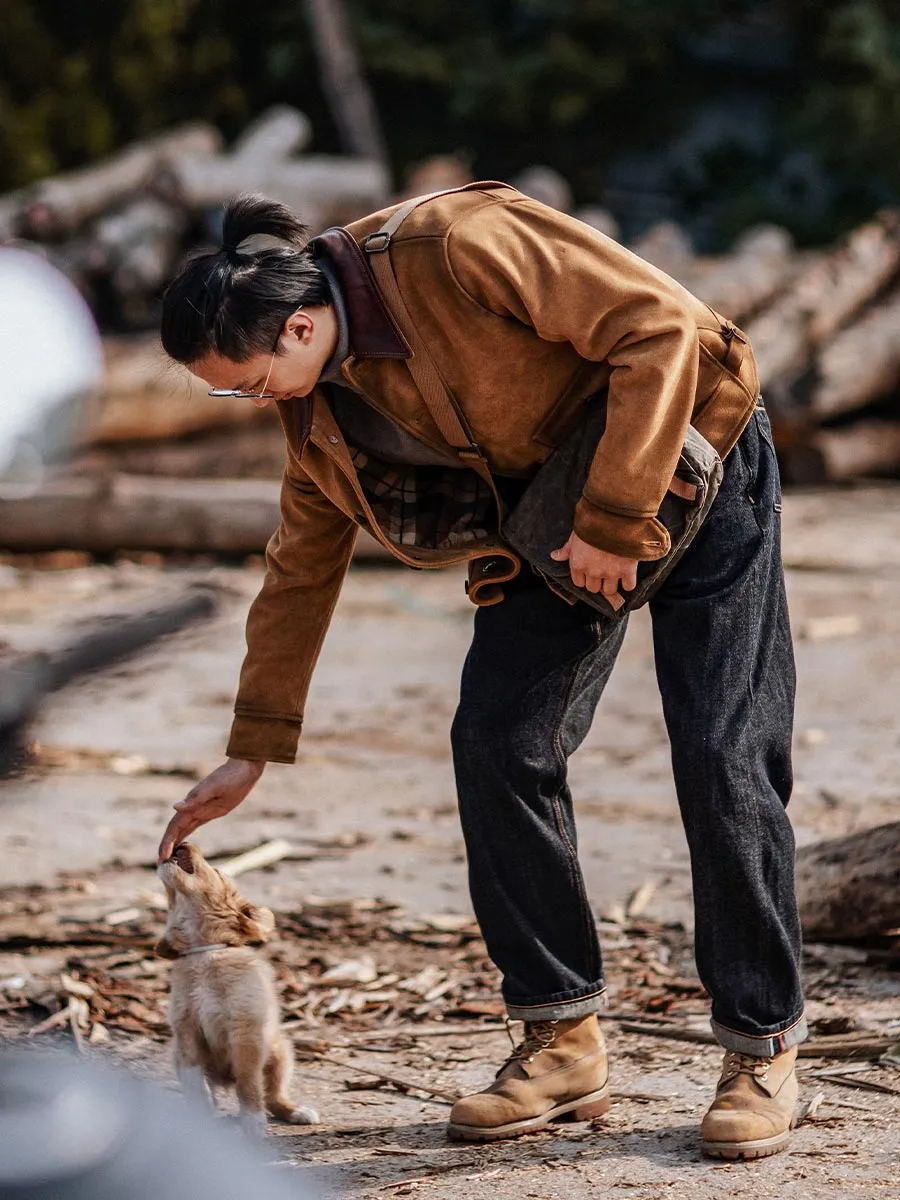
<point>333,438</point>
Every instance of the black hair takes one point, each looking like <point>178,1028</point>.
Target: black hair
<point>235,304</point>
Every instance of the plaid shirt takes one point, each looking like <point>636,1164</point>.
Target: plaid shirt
<point>432,508</point>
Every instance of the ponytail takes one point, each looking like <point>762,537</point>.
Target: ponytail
<point>235,300</point>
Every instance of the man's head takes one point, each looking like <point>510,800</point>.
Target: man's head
<point>253,319</point>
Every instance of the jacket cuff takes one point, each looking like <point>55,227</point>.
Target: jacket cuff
<point>642,538</point>
<point>264,739</point>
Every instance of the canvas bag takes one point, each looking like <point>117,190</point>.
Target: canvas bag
<point>543,518</point>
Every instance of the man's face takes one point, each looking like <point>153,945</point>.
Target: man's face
<point>306,343</point>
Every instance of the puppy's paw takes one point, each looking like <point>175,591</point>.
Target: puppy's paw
<point>253,1124</point>
<point>302,1115</point>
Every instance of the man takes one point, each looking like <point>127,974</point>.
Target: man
<point>525,314</point>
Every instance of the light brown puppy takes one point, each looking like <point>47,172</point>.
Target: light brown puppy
<point>223,1007</point>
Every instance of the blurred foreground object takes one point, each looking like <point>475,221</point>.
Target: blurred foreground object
<point>72,1131</point>
<point>50,362</point>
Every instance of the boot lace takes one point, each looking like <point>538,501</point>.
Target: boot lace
<point>745,1064</point>
<point>538,1036</point>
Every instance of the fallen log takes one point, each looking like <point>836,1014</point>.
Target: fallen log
<point>249,451</point>
<point>321,189</point>
<point>25,683</point>
<point>145,397</point>
<point>59,205</point>
<point>668,247</point>
<point>277,133</point>
<point>849,888</point>
<point>860,363</point>
<point>760,264</point>
<point>856,451</point>
<point>824,297</point>
<point>196,516</point>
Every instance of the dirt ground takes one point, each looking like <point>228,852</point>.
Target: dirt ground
<point>376,876</point>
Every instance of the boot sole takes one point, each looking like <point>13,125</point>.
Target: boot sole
<point>760,1148</point>
<point>587,1108</point>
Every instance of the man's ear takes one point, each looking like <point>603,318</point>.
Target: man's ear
<point>165,949</point>
<point>256,923</point>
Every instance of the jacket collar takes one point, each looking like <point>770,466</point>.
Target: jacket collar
<point>373,331</point>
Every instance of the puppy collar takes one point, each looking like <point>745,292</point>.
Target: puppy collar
<point>203,949</point>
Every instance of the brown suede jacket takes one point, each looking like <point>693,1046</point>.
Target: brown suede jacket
<point>526,312</point>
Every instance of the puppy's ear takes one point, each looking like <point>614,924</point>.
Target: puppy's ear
<point>256,924</point>
<point>165,949</point>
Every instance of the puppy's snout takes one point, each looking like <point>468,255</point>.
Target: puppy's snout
<point>181,856</point>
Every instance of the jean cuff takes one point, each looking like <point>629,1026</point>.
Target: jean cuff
<point>559,1010</point>
<point>765,1045</point>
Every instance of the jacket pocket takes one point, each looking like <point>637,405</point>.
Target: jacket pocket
<point>726,359</point>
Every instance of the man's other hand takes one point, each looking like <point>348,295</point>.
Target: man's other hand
<point>594,569</point>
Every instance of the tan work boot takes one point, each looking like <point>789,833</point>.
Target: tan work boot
<point>753,1112</point>
<point>559,1069</point>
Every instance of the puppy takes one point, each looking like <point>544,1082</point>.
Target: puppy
<point>223,1007</point>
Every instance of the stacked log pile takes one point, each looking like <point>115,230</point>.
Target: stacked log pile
<point>119,227</point>
<point>822,323</point>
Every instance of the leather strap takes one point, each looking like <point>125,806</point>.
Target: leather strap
<point>434,391</point>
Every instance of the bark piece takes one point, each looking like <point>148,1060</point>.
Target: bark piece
<point>849,888</point>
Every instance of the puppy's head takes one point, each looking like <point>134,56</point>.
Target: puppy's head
<point>206,908</point>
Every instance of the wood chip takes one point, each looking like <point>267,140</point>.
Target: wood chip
<point>809,1110</point>
<point>123,916</point>
<point>637,902</point>
<point>265,855</point>
<point>819,629</point>
<point>353,970</point>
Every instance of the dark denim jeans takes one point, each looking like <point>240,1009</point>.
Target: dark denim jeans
<point>724,663</point>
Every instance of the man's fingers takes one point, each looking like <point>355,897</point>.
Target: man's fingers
<point>560,555</point>
<point>629,580</point>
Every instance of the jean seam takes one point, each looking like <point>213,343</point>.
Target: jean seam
<point>762,1037</point>
<point>586,915</point>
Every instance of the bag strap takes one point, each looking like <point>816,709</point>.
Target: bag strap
<point>434,391</point>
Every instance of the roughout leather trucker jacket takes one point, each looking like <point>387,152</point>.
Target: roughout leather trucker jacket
<point>526,312</point>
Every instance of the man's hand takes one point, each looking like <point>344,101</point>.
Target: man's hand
<point>596,570</point>
<point>221,791</point>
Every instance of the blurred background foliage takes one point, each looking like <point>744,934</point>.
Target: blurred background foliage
<point>716,116</point>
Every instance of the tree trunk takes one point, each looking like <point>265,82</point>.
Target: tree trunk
<point>343,82</point>
<point>849,887</point>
